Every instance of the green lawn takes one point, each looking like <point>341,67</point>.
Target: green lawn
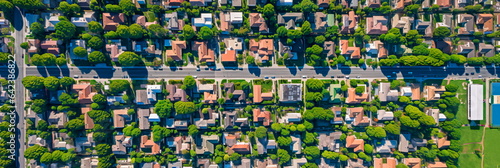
<point>491,148</point>
<point>471,134</point>
<point>267,85</point>
<point>462,95</point>
<point>433,81</point>
<point>469,160</point>
<point>150,16</point>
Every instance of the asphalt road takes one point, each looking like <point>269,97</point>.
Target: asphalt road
<point>19,25</point>
<point>278,72</point>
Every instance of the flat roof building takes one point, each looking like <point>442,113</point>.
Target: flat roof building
<point>475,111</point>
<point>290,92</point>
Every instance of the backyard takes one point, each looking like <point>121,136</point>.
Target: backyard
<point>491,156</point>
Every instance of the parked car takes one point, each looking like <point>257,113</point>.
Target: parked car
<point>75,76</point>
<point>304,76</point>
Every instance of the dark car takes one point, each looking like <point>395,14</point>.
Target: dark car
<point>340,76</point>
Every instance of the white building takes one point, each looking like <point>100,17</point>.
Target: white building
<point>236,17</point>
<point>475,111</point>
<point>383,115</point>
<point>204,20</point>
<point>152,90</point>
<point>83,21</point>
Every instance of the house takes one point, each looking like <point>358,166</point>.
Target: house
<point>475,102</point>
<point>153,117</point>
<point>323,4</point>
<point>59,141</point>
<point>466,23</point>
<point>51,19</point>
<point>383,115</point>
<point>205,53</point>
<point>447,21</point>
<point>437,165</point>
<point>486,50</point>
<point>88,162</point>
<point>148,146</point>
<point>35,140</point>
<point>229,56</point>
<point>180,143</point>
<point>466,48</point>
<point>290,20</point>
<point>121,144</point>
<point>350,3</point>
<point>354,98</point>
<point>176,52</point>
<point>265,163</point>
<point>356,116</point>
<point>234,44</point>
<point>376,25</point>
<point>152,90</point>
<point>384,162</point>
<point>434,113</point>
<point>385,146</point>
<point>258,22</point>
<point>376,48</point>
<point>413,162</point>
<point>34,45</point>
<point>329,141</point>
<point>385,94</point>
<point>358,145</point>
<point>120,117</point>
<point>443,45</point>
<point>404,143</point>
<point>204,20</point>
<point>207,119</point>
<point>115,99</point>
<point>176,94</point>
<point>225,24</point>
<point>141,20</point>
<point>141,97</point>
<point>84,92</point>
<point>111,21</point>
<point>349,52</point>
<point>291,117</point>
<point>320,22</point>
<point>296,144</point>
<point>400,4</point>
<point>264,48</point>
<point>290,93</point>
<point>209,93</point>
<point>329,48</point>
<point>337,111</point>
<point>177,164</point>
<point>424,28</point>
<point>115,49</point>
<point>263,117</point>
<point>404,23</point>
<point>373,3</point>
<point>88,16</point>
<point>207,144</point>
<point>443,3</point>
<point>241,148</point>
<point>258,96</point>
<point>200,2</point>
<point>83,142</point>
<point>233,95</point>
<point>173,22</point>
<point>231,120</point>
<point>284,3</point>
<point>72,45</point>
<point>143,116</point>
<point>50,46</point>
<point>433,93</point>
<point>173,3</point>
<point>349,23</point>
<point>89,122</point>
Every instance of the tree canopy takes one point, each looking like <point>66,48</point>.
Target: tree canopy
<point>184,107</point>
<point>163,108</point>
<point>65,30</point>
<point>128,58</point>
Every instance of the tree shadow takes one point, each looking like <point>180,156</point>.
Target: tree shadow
<point>137,72</point>
<point>322,70</point>
<point>346,70</point>
<point>254,70</point>
<point>293,70</point>
<point>105,72</point>
<point>18,23</point>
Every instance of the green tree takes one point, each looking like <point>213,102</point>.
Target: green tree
<point>268,10</point>
<point>189,82</point>
<point>118,86</point>
<point>330,155</point>
<point>413,38</point>
<point>67,81</point>
<point>393,129</point>
<point>136,31</point>
<point>250,59</point>
<point>46,157</point>
<point>312,152</point>
<point>412,9</point>
<point>60,61</point>
<point>420,50</point>
<point>51,83</point>
<point>96,57</point>
<point>46,59</point>
<point>33,82</point>
<point>205,33</point>
<point>29,4</point>
<point>95,27</point>
<point>319,39</point>
<point>184,107</point>
<point>475,61</point>
<point>441,32</point>
<point>35,152</point>
<point>282,31</point>
<point>103,149</point>
<point>128,58</point>
<point>95,43</point>
<point>37,30</point>
<point>80,51</point>
<point>99,99</point>
<point>75,125</point>
<point>113,8</point>
<point>261,132</point>
<point>128,7</point>
<point>65,30</point>
<point>306,26</point>
<point>283,156</point>
<point>310,139</point>
<point>368,148</point>
<point>192,130</point>
<point>156,31</point>
<point>376,132</point>
<point>68,9</point>
<point>23,45</point>
<point>314,85</point>
<point>188,32</point>
<point>163,108</point>
<point>318,113</point>
<point>458,59</point>
<point>306,6</point>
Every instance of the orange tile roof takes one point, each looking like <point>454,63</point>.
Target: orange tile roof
<point>352,97</point>
<point>257,21</point>
<point>264,116</point>
<point>229,56</point>
<point>443,3</point>
<point>257,93</point>
<point>389,163</point>
<point>486,20</point>
<point>357,144</point>
<point>176,52</point>
<point>209,98</point>
<point>118,119</point>
<point>241,147</point>
<point>89,122</point>
<point>224,24</point>
<point>204,53</point>
<point>437,165</point>
<point>111,21</point>
<point>443,143</point>
<point>413,162</point>
<point>84,93</point>
<point>148,143</point>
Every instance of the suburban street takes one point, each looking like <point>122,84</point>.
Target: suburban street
<point>262,72</point>
<point>20,34</point>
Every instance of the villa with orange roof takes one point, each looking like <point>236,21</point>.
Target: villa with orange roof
<point>263,117</point>
<point>84,93</point>
<point>437,165</point>
<point>349,52</point>
<point>89,122</point>
<point>148,146</point>
<point>258,96</point>
<point>176,52</point>
<point>413,162</point>
<point>264,48</point>
<point>358,145</point>
<point>384,162</point>
<point>111,21</point>
<point>485,21</point>
<point>354,98</point>
<point>205,54</point>
<point>229,56</point>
